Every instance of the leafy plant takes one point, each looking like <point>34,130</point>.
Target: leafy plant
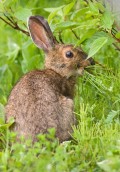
<point>95,143</point>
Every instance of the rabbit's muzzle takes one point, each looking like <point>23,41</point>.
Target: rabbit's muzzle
<point>84,64</point>
<point>92,62</point>
<point>85,61</point>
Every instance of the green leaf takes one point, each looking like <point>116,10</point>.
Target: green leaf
<point>13,54</point>
<point>1,6</point>
<point>10,122</point>
<point>105,165</point>
<point>54,12</point>
<point>50,10</point>
<point>94,8</point>
<point>79,13</point>
<point>66,25</point>
<point>88,24</point>
<point>3,70</point>
<point>111,116</point>
<point>23,13</point>
<point>1,111</point>
<point>107,20</point>
<point>96,46</point>
<point>2,95</point>
<point>68,8</point>
<point>117,35</point>
<point>52,15</point>
<point>86,35</point>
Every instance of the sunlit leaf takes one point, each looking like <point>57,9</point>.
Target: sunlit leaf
<point>105,165</point>
<point>79,13</point>
<point>2,113</point>
<point>54,12</point>
<point>10,122</point>
<point>94,8</point>
<point>107,20</point>
<point>66,25</point>
<point>117,35</point>
<point>86,35</point>
<point>97,45</point>
<point>68,7</point>
<point>1,6</point>
<point>112,114</point>
<point>87,24</point>
<point>50,10</point>
<point>23,13</point>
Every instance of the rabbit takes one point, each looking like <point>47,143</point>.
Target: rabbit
<point>43,99</point>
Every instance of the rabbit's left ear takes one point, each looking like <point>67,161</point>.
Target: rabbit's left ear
<point>41,33</point>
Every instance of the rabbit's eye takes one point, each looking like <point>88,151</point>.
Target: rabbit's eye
<point>69,54</point>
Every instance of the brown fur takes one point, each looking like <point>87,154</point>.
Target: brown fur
<point>43,99</point>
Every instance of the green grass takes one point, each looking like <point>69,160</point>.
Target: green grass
<point>95,146</point>
<point>96,138</point>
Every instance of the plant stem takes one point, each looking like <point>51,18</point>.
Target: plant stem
<point>14,25</point>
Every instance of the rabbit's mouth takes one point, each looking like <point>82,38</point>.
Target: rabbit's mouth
<point>85,65</point>
<point>80,71</point>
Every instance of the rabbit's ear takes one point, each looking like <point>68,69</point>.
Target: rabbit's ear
<point>41,33</point>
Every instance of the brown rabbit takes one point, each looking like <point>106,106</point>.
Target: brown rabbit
<point>43,99</point>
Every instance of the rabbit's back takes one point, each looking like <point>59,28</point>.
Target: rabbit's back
<point>37,103</point>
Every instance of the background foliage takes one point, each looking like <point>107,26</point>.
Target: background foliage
<point>96,144</point>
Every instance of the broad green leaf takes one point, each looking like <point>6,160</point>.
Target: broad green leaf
<point>87,24</point>
<point>50,10</point>
<point>23,13</point>
<point>9,3</point>
<point>101,6</point>
<point>12,55</point>
<point>99,35</point>
<point>1,7</point>
<point>68,8</point>
<point>117,35</point>
<point>31,60</point>
<point>52,15</point>
<point>111,116</point>
<point>66,25</point>
<point>54,12</point>
<point>105,165</point>
<point>94,8</point>
<point>86,35</point>
<point>79,13</point>
<point>3,70</point>
<point>10,122</point>
<point>97,45</point>
<point>107,20</point>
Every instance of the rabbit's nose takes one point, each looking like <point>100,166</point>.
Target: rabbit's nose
<point>85,63</point>
<point>92,62</point>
